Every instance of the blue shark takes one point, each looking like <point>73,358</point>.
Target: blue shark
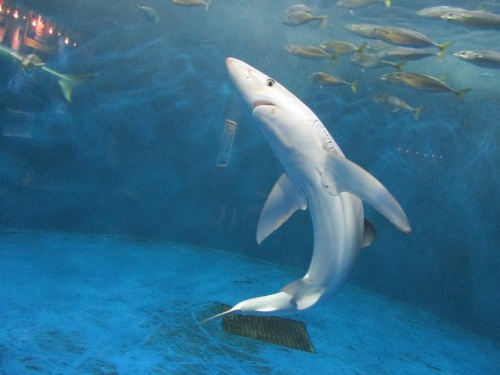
<point>317,177</point>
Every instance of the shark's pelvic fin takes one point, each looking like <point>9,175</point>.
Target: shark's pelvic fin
<point>304,293</point>
<point>285,198</point>
<point>341,175</point>
<point>369,234</point>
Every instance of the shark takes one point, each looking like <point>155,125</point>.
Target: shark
<point>32,62</point>
<point>317,177</point>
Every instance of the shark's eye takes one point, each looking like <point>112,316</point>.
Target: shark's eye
<point>270,82</point>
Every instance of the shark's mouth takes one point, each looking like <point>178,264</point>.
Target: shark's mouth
<point>262,102</point>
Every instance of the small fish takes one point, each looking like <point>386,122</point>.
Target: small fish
<point>301,18</point>
<point>149,14</point>
<point>473,18</point>
<point>487,59</point>
<point>353,4</point>
<point>193,3</point>
<point>298,8</point>
<point>368,60</point>
<point>339,47</point>
<point>395,104</point>
<point>303,50</point>
<point>325,79</point>
<point>421,82</point>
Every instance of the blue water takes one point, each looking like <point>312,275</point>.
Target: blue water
<point>135,155</point>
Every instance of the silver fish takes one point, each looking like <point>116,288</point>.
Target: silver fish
<point>302,18</point>
<point>193,3</point>
<point>325,79</point>
<point>395,104</point>
<point>298,8</point>
<point>421,82</point>
<point>303,50</point>
<point>487,59</point>
<point>368,60</point>
<point>354,4</point>
<point>473,18</point>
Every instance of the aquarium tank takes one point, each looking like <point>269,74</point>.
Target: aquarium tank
<point>249,187</point>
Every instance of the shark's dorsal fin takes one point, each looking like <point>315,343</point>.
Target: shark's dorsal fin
<point>341,175</point>
<point>369,234</point>
<point>285,198</point>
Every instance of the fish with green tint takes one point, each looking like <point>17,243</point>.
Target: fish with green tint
<point>339,47</point>
<point>473,18</point>
<point>325,79</point>
<point>354,4</point>
<point>369,60</point>
<point>149,14</point>
<point>487,59</point>
<point>395,104</point>
<point>301,18</point>
<point>421,82</point>
<point>193,3</point>
<point>306,51</point>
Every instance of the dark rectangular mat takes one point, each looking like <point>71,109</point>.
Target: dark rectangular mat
<point>279,331</point>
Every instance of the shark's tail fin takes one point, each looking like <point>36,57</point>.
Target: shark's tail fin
<point>218,315</point>
<point>69,81</point>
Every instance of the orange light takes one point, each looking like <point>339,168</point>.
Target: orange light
<point>66,40</point>
<point>34,23</point>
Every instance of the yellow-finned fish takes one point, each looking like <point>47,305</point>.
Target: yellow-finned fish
<point>353,4</point>
<point>304,50</point>
<point>397,35</point>
<point>421,82</point>
<point>301,18</point>
<point>487,59</point>
<point>369,60</point>
<point>473,18</point>
<point>325,79</point>
<point>395,104</point>
<point>339,47</point>
<point>193,3</point>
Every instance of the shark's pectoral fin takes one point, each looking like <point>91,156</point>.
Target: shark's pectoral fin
<point>285,198</point>
<point>341,175</point>
<point>369,234</point>
<point>304,293</point>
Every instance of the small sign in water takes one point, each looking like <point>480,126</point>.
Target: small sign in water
<point>18,123</point>
<point>226,143</point>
